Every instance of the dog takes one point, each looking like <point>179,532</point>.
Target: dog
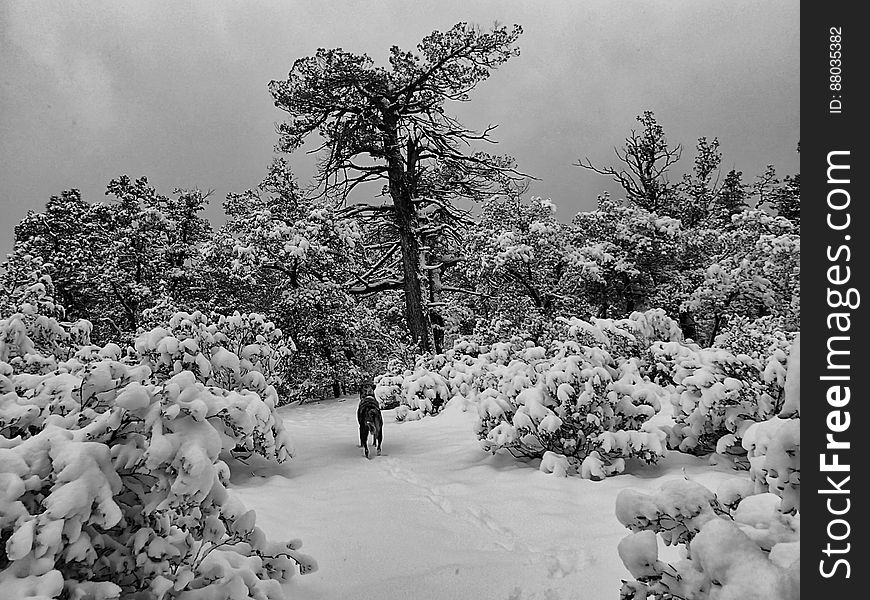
<point>369,417</point>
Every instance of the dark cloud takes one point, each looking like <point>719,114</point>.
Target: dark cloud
<point>177,91</point>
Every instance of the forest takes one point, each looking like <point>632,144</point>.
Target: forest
<point>147,353</point>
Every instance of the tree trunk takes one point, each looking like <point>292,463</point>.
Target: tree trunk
<point>687,324</point>
<point>605,304</point>
<point>406,224</point>
<point>717,323</point>
<point>436,321</point>
<point>418,323</point>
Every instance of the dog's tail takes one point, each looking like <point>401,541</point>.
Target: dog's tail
<point>373,430</point>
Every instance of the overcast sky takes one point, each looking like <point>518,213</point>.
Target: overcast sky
<point>177,91</point>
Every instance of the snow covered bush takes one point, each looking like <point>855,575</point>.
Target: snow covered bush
<point>741,542</point>
<point>750,552</point>
<point>426,390</point>
<point>719,392</point>
<point>582,396</point>
<point>773,446</point>
<point>433,380</point>
<point>573,400</point>
<point>232,352</point>
<point>113,483</point>
<point>388,386</point>
<point>631,336</point>
<point>31,338</point>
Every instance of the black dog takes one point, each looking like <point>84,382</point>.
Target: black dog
<point>369,416</point>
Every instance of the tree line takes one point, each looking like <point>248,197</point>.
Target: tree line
<point>383,259</point>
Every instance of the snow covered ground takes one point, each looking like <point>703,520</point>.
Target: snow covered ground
<point>437,518</point>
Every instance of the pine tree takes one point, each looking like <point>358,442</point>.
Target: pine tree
<point>389,125</point>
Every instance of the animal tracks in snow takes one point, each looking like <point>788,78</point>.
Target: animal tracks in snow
<point>506,539</point>
<point>557,562</point>
<point>431,492</point>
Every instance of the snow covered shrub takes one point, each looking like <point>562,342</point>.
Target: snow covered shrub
<point>766,340</point>
<point>554,463</point>
<point>232,352</point>
<point>582,395</point>
<point>434,379</point>
<point>113,483</point>
<point>750,552</point>
<point>721,391</point>
<point>741,542</point>
<point>31,338</point>
<point>424,388</point>
<point>572,400</point>
<point>773,446</point>
<point>735,544</point>
<point>388,386</point>
<point>630,336</point>
<point>387,390</point>
<point>236,357</point>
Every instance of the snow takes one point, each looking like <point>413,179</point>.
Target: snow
<point>739,566</point>
<point>639,551</point>
<point>435,517</point>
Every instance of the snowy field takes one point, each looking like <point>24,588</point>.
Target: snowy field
<point>437,518</point>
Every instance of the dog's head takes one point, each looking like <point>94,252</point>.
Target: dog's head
<point>367,390</point>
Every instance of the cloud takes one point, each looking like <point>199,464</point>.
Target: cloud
<point>177,90</point>
<point>81,76</point>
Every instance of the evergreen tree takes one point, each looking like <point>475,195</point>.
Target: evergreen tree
<point>389,125</point>
<point>732,196</point>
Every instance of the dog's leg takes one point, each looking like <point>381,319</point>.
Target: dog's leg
<point>380,438</point>
<point>373,431</point>
<point>364,438</point>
